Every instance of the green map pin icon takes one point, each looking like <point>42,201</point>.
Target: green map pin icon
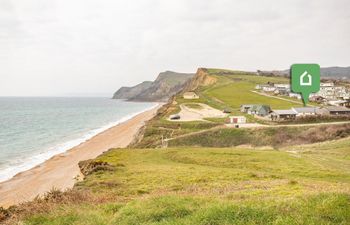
<point>305,79</point>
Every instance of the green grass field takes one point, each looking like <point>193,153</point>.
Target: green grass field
<point>235,90</point>
<point>295,185</point>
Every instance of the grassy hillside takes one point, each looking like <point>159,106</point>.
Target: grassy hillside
<point>209,174</point>
<point>269,136</point>
<point>236,89</point>
<point>231,90</point>
<point>296,185</point>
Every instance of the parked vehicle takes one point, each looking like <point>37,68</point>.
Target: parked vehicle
<point>175,117</point>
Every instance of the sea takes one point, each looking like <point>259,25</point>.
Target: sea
<point>33,129</point>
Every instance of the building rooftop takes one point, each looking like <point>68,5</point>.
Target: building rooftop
<point>237,117</point>
<point>304,110</point>
<point>285,112</point>
<point>258,107</point>
<point>337,109</point>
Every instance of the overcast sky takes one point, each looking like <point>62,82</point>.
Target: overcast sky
<point>74,47</point>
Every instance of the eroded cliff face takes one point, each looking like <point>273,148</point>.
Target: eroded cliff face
<point>202,78</point>
<point>130,92</point>
<point>165,86</point>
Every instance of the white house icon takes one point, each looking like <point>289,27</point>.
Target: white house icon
<point>307,81</point>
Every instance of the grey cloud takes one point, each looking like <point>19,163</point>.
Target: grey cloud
<point>59,46</point>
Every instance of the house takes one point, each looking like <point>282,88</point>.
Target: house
<point>340,91</point>
<point>287,114</point>
<point>327,84</point>
<point>305,111</point>
<point>269,89</point>
<point>285,86</point>
<point>344,103</point>
<point>261,86</point>
<point>190,95</point>
<point>260,110</point>
<point>282,91</point>
<point>294,95</point>
<point>256,109</point>
<point>316,98</point>
<point>322,111</point>
<point>347,103</point>
<point>331,92</point>
<point>245,108</point>
<point>237,119</point>
<point>337,110</point>
<point>327,92</point>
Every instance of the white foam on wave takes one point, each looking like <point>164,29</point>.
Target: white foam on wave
<point>28,163</point>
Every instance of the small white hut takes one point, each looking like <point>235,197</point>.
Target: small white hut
<point>190,95</point>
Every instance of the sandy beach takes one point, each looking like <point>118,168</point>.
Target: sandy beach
<point>60,171</point>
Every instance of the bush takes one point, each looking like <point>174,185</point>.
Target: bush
<point>271,136</point>
<point>90,166</point>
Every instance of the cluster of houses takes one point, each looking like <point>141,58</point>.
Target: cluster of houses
<point>329,93</point>
<point>289,114</point>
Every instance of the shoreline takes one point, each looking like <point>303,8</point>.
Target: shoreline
<point>37,159</point>
<point>60,171</point>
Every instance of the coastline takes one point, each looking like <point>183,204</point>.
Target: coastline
<point>29,162</point>
<point>61,170</point>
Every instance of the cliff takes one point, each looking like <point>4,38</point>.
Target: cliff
<point>202,78</point>
<point>130,92</point>
<point>167,84</point>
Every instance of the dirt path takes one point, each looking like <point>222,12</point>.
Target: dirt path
<point>196,132</point>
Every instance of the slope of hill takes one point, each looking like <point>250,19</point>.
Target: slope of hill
<point>129,92</point>
<point>166,85</point>
<point>296,185</point>
<point>209,174</point>
<point>334,72</point>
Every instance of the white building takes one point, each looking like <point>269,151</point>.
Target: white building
<point>237,119</point>
<point>330,91</point>
<point>328,84</point>
<point>269,89</point>
<point>190,95</point>
<point>286,86</point>
<point>338,103</point>
<point>305,111</point>
<point>294,95</point>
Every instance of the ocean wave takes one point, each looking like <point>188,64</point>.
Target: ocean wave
<point>20,165</point>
